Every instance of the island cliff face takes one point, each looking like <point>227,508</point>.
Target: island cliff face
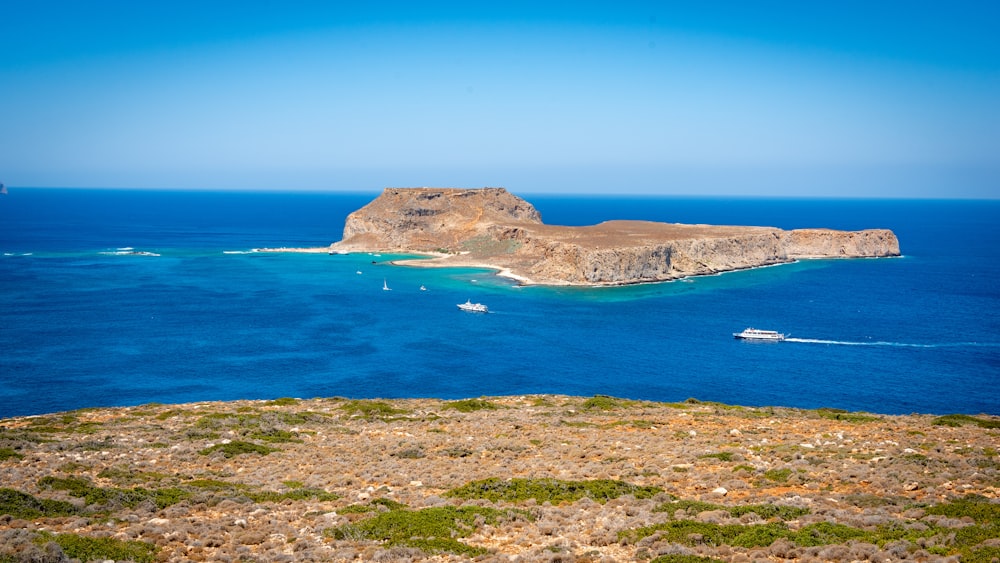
<point>493,228</point>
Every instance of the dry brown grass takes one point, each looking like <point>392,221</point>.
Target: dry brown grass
<point>341,462</point>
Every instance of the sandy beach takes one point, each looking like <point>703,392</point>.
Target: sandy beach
<point>428,260</point>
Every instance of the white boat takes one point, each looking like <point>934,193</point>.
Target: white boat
<point>3,189</point>
<point>473,307</point>
<point>385,286</point>
<point>756,334</point>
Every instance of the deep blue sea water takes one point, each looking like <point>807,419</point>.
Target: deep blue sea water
<point>82,326</point>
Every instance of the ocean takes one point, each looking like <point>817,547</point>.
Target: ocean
<point>127,297</point>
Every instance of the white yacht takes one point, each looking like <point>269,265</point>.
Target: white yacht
<point>473,307</point>
<point>756,334</point>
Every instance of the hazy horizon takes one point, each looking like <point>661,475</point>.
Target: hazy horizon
<point>895,99</point>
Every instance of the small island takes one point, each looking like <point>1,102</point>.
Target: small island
<point>492,228</point>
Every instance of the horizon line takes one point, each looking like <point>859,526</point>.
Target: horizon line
<point>594,194</point>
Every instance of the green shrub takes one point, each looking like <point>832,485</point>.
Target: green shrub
<point>415,452</point>
<point>213,484</point>
<point>433,530</point>
<point>9,453</point>
<point>295,494</point>
<point>684,559</point>
<point>82,488</point>
<point>966,542</point>
<point>129,477</point>
<point>826,533</point>
<point>298,491</point>
<point>978,508</point>
<point>66,422</point>
<point>101,549</point>
<point>690,532</point>
<point>604,403</point>
<point>388,503</point>
<point>238,447</point>
<point>282,402</point>
<point>549,490</point>
<point>842,415</point>
<point>371,409</point>
<point>356,509</point>
<point>768,511</point>
<point>227,419</point>
<point>688,506</point>
<point>765,511</point>
<point>276,436</point>
<point>721,456</point>
<point>470,405</point>
<point>963,419</point>
<point>981,555</point>
<point>778,475</point>
<point>24,506</point>
<point>578,424</point>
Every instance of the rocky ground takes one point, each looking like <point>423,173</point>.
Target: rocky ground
<point>526,478</point>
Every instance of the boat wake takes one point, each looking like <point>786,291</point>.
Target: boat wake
<point>897,344</point>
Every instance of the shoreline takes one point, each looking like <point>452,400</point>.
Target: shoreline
<point>295,250</point>
<point>442,260</point>
<point>428,262</point>
<point>510,397</point>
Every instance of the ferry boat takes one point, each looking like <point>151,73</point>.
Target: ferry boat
<point>473,307</point>
<point>756,334</point>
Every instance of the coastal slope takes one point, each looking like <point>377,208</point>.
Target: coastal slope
<point>493,228</point>
<point>501,479</point>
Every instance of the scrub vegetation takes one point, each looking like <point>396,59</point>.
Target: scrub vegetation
<point>529,478</point>
<point>432,530</point>
<point>549,490</point>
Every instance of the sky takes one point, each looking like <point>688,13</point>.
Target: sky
<point>846,98</point>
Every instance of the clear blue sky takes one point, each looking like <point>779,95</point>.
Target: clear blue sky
<point>742,98</point>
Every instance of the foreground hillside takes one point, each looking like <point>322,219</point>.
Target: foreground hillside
<point>527,478</point>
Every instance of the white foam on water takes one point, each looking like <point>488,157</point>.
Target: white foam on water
<point>883,343</point>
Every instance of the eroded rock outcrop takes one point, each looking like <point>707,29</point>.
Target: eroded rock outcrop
<point>429,219</point>
<point>492,227</point>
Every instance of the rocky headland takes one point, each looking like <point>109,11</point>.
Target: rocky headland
<point>519,478</point>
<point>493,228</point>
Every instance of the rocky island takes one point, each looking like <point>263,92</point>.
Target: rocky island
<point>493,228</point>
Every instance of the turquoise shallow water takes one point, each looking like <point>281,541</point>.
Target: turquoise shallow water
<point>83,325</point>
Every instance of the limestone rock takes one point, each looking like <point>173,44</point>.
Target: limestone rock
<point>494,228</point>
<point>431,219</point>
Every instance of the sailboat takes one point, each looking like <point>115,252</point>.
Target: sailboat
<point>3,189</point>
<point>385,286</point>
